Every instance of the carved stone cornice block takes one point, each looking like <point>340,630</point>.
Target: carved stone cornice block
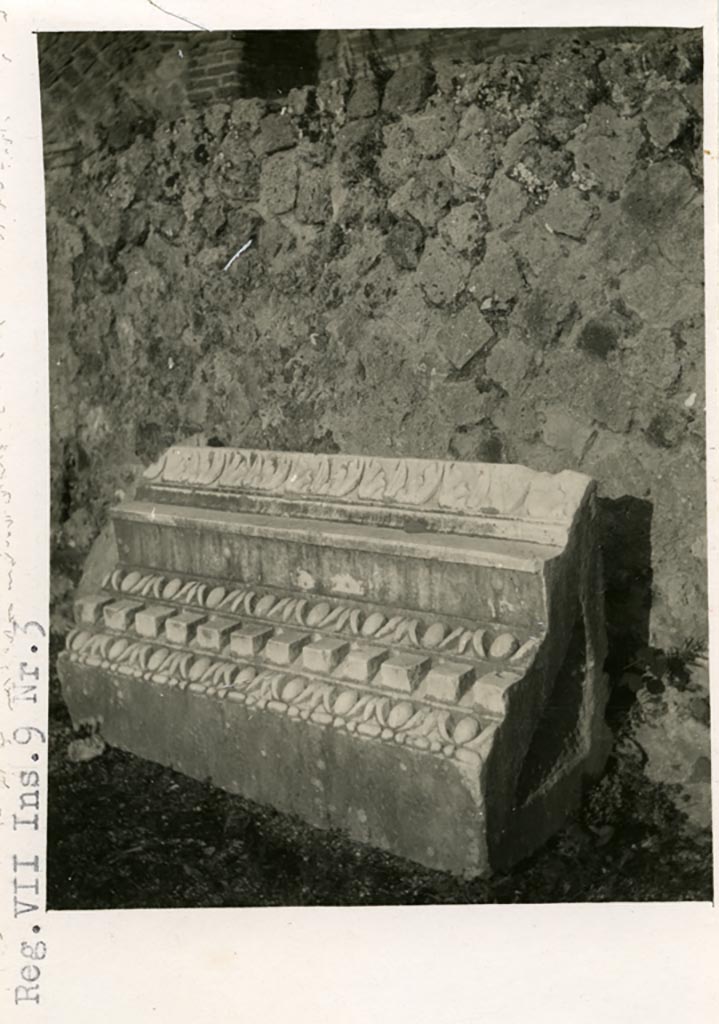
<point>408,650</point>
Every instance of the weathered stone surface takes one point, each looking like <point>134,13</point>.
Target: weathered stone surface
<point>509,362</point>
<point>463,227</point>
<point>516,144</point>
<point>405,242</point>
<point>666,367</point>
<point>356,150</point>
<point>299,100</point>
<point>497,276</point>
<point>542,169</point>
<point>462,335</point>
<point>426,196</point>
<point>314,204</point>
<point>566,432</point>
<point>599,337</point>
<point>407,90</point>
<point>568,212</point>
<point>656,195</point>
<point>364,99</point>
<point>442,273</point>
<point>625,80</point>
<point>270,649</point>
<point>398,157</point>
<point>592,389</point>
<point>434,128</point>
<point>277,132</point>
<point>474,121</point>
<point>537,245</point>
<point>541,316</point>
<point>279,183</point>
<point>473,162</point>
<point>660,293</point>
<point>506,201</point>
<point>606,147</point>
<point>665,115</point>
<point>475,442</point>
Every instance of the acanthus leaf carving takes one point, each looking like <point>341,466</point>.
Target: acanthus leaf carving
<point>373,483</point>
<point>321,482</point>
<point>475,489</point>
<point>397,479</point>
<point>236,468</point>
<point>347,477</point>
<point>274,473</point>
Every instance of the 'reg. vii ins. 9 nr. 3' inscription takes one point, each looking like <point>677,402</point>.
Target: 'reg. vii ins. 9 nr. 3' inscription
<point>408,650</point>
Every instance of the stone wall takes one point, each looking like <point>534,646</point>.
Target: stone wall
<point>495,259</point>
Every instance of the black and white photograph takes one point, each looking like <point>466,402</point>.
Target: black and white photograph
<point>379,563</point>
<point>377,424</point>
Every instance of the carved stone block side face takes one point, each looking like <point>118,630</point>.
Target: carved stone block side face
<point>120,614</point>
<point>181,628</point>
<point>324,655</point>
<point>285,646</point>
<point>249,640</point>
<point>215,633</point>
<point>490,691</point>
<point>449,682</point>
<point>88,609</point>
<point>149,621</point>
<point>363,663</point>
<point>403,671</point>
